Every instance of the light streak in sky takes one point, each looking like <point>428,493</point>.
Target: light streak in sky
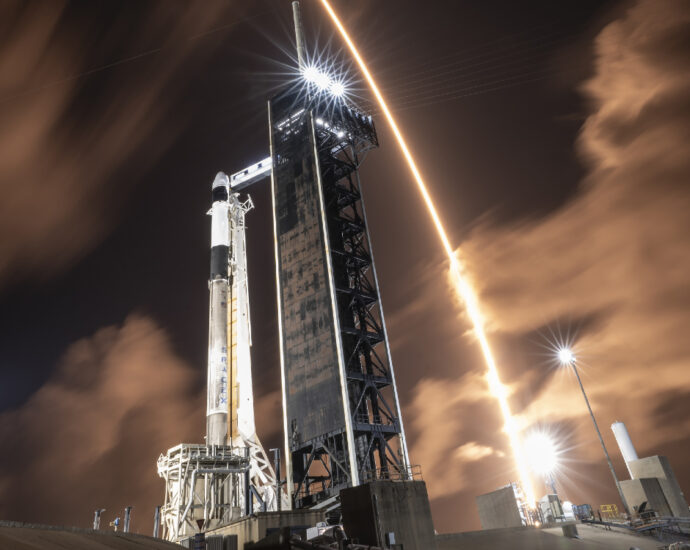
<point>462,285</point>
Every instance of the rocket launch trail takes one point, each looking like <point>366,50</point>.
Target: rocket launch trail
<point>462,285</point>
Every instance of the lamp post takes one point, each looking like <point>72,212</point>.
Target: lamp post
<point>567,358</point>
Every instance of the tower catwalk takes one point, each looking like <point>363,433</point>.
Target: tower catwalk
<point>342,419</point>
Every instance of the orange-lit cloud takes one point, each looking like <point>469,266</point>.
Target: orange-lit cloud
<point>473,451</point>
<point>438,428</point>
<point>619,250</point>
<point>91,435</point>
<point>615,255</point>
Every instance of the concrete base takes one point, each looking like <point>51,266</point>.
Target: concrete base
<point>531,538</point>
<point>499,509</point>
<point>659,467</point>
<point>637,491</point>
<point>515,538</point>
<point>256,527</point>
<point>389,513</point>
<point>569,530</point>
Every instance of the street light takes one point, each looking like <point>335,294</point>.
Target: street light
<point>337,88</point>
<point>567,358</point>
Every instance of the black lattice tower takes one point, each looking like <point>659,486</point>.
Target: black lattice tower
<point>341,410</point>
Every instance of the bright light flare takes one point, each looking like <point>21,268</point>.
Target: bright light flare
<point>337,89</point>
<point>566,356</point>
<point>310,74</point>
<point>462,285</point>
<point>541,453</point>
<point>322,81</point>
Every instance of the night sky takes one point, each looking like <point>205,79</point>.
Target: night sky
<point>554,137</point>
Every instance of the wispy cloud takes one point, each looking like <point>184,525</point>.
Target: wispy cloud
<point>618,254</point>
<point>71,148</point>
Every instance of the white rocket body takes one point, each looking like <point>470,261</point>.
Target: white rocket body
<point>217,386</point>
<point>230,400</point>
<point>230,406</point>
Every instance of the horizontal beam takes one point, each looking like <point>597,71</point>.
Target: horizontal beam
<point>251,174</point>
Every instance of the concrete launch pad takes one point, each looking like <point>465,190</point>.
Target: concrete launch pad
<point>529,538</point>
<point>26,536</point>
<point>255,527</point>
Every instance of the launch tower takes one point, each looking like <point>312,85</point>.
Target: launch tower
<point>341,413</point>
<point>342,420</point>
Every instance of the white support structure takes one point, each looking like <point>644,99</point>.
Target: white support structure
<point>241,424</point>
<point>255,172</point>
<point>202,483</point>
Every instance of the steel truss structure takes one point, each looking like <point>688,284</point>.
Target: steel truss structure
<point>370,443</point>
<point>203,483</point>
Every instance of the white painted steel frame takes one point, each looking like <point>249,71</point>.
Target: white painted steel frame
<point>201,483</point>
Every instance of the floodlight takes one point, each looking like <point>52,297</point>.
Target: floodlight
<point>322,81</point>
<point>541,453</point>
<point>566,356</point>
<point>310,74</point>
<point>337,89</point>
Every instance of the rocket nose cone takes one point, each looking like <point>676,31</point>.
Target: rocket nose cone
<point>221,180</point>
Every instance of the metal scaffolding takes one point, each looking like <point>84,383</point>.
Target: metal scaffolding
<point>203,484</point>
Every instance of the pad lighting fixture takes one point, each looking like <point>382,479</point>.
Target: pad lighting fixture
<point>566,356</point>
<point>337,89</point>
<point>323,82</point>
<point>310,74</point>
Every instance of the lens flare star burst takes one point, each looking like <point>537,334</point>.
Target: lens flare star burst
<point>461,283</point>
<point>565,356</point>
<point>541,453</point>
